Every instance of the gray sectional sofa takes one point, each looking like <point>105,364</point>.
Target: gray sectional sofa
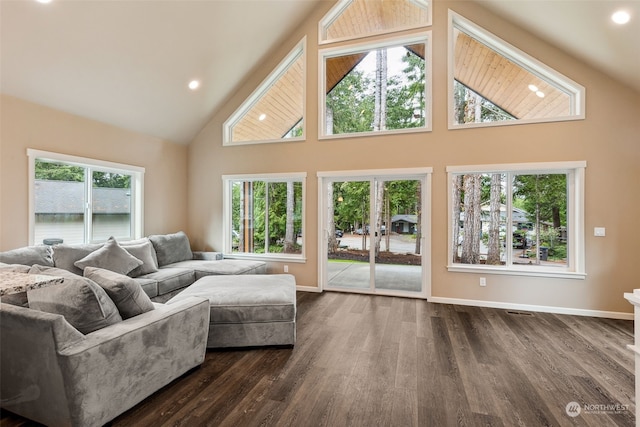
<point>167,262</point>
<point>82,352</point>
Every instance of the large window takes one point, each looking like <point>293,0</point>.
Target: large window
<point>78,200</point>
<point>525,218</point>
<point>376,87</point>
<point>493,83</point>
<point>264,215</point>
<point>274,112</point>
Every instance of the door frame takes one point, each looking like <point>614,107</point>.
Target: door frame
<point>423,174</point>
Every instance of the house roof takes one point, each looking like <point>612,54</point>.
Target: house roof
<point>411,219</point>
<point>127,63</point>
<point>63,197</point>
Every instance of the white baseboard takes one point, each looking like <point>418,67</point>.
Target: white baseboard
<point>537,308</point>
<point>308,288</point>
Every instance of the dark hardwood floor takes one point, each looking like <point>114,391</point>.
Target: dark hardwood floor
<point>379,361</point>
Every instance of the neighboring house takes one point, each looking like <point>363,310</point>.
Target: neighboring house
<point>60,210</point>
<point>404,224</point>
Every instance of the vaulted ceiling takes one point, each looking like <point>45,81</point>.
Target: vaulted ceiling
<point>128,63</point>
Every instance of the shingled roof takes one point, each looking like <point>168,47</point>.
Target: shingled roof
<point>64,197</point>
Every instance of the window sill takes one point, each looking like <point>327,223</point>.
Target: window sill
<point>538,272</point>
<point>269,257</point>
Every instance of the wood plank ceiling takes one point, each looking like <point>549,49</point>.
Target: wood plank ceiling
<point>478,67</point>
<point>505,83</point>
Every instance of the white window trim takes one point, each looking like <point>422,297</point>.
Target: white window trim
<point>137,188</point>
<point>422,37</point>
<point>575,219</point>
<point>227,128</point>
<point>424,174</point>
<point>524,60</point>
<point>341,6</point>
<point>227,215</point>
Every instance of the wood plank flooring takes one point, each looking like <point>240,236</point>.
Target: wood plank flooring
<point>363,360</point>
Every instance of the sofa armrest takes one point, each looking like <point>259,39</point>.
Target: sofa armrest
<point>32,383</point>
<point>117,367</point>
<point>92,379</point>
<point>207,256</point>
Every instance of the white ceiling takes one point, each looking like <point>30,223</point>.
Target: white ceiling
<point>584,29</point>
<point>128,63</point>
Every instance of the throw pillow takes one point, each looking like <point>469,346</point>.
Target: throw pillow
<point>125,292</point>
<point>64,256</point>
<point>39,254</point>
<point>172,248</point>
<point>144,252</point>
<point>111,257</point>
<point>83,303</point>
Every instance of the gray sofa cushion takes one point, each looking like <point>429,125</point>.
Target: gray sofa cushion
<point>170,279</point>
<point>149,286</point>
<point>126,293</point>
<point>84,304</point>
<point>171,248</point>
<point>112,257</point>
<point>223,267</point>
<point>30,255</point>
<point>64,256</point>
<point>145,252</point>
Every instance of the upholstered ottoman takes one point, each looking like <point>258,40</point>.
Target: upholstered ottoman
<point>248,310</point>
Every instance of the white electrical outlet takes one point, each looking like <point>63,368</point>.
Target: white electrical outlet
<point>599,231</point>
<point>286,268</point>
<point>483,281</point>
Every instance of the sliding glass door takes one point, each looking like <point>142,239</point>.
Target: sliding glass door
<point>373,234</point>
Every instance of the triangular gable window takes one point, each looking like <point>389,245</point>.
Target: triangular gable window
<point>494,83</point>
<point>350,19</point>
<point>274,112</point>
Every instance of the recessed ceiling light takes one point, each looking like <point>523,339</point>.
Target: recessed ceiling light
<point>194,84</point>
<point>533,88</point>
<point>621,17</point>
<point>44,1</point>
<point>262,117</point>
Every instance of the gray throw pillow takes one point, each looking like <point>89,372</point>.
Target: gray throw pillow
<point>84,304</point>
<point>144,252</point>
<point>111,257</point>
<point>29,255</point>
<point>172,248</point>
<point>126,293</point>
<point>64,256</point>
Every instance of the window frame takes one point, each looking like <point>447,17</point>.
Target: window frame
<point>300,49</point>
<point>520,58</point>
<point>424,37</point>
<point>575,171</point>
<point>227,215</point>
<point>137,190</point>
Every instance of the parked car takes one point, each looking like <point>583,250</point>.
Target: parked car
<point>361,231</point>
<point>383,230</point>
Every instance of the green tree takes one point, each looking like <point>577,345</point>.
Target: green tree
<point>63,172</point>
<point>58,172</point>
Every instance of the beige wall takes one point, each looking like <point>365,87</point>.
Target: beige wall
<point>26,125</point>
<point>607,140</point>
